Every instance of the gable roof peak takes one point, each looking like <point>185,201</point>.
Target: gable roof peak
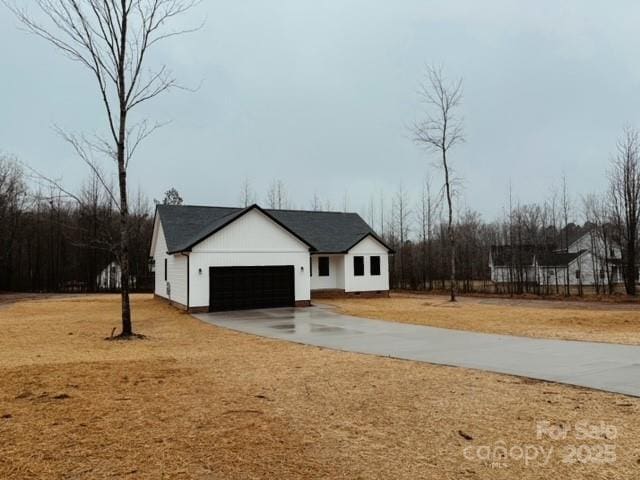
<point>322,231</point>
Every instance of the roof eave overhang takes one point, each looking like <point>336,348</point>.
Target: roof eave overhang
<point>376,238</point>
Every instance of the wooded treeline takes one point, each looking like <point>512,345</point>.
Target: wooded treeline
<point>52,242</point>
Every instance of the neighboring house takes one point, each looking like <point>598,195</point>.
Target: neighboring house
<point>585,262</point>
<point>110,278</point>
<point>217,258</point>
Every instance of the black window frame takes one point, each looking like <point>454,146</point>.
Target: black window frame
<point>358,266</point>
<point>375,272</point>
<point>323,267</point>
<point>165,269</point>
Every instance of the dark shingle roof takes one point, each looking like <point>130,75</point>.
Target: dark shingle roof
<point>183,223</point>
<point>558,259</point>
<point>504,255</point>
<point>525,255</point>
<point>326,232</point>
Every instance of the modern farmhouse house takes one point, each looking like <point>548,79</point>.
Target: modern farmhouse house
<point>586,262</point>
<point>217,258</point>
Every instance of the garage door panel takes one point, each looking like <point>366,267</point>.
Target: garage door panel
<point>236,288</point>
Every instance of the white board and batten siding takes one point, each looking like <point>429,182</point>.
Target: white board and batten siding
<point>175,288</point>
<point>335,279</point>
<point>251,240</point>
<point>367,248</point>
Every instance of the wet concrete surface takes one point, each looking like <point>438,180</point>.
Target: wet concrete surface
<point>609,367</point>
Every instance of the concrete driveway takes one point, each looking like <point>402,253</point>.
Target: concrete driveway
<point>614,368</point>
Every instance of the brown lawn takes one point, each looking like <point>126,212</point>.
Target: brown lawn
<point>570,320</point>
<point>196,401</point>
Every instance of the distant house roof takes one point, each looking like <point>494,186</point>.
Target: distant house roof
<point>557,259</point>
<point>324,232</point>
<point>526,255</point>
<point>504,255</point>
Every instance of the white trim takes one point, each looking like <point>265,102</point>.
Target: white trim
<point>232,250</point>
<point>369,235</point>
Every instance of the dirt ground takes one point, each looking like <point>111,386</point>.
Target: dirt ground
<point>570,320</point>
<point>196,401</point>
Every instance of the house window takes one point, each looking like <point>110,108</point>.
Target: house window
<point>323,266</point>
<point>311,266</point>
<point>358,266</point>
<point>165,269</point>
<point>601,273</point>
<point>375,265</point>
<point>577,274</point>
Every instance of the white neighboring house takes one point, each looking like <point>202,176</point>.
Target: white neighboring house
<point>219,258</point>
<point>110,278</point>
<point>585,262</point>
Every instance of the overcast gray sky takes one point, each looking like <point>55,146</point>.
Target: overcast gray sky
<point>319,94</point>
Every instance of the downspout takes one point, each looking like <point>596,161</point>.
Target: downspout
<point>188,279</point>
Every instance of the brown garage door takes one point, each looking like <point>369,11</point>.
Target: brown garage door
<point>238,288</point>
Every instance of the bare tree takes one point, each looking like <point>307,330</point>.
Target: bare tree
<point>316,203</point>
<point>566,207</point>
<point>13,192</point>
<point>381,211</point>
<point>277,195</point>
<point>113,40</point>
<point>624,179</point>
<point>345,201</point>
<point>598,213</point>
<point>440,131</point>
<point>247,196</point>
<point>400,220</point>
<point>371,211</point>
<point>426,210</point>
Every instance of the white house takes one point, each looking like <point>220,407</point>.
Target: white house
<point>585,262</point>
<point>218,258</point>
<point>110,278</point>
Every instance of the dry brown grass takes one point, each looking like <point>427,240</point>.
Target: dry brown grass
<point>614,323</point>
<point>196,401</point>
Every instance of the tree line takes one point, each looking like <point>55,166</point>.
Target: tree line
<point>51,242</point>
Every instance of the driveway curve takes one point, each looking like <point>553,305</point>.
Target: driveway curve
<point>602,366</point>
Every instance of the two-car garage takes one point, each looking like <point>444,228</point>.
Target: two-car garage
<point>237,288</point>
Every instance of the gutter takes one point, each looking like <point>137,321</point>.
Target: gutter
<point>188,277</point>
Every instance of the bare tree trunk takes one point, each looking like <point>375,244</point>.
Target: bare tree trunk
<point>452,238</point>
<point>127,329</point>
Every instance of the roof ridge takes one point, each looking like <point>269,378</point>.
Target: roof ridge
<point>267,209</point>
<point>201,206</point>
<point>309,211</point>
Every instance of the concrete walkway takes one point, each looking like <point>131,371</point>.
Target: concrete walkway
<point>614,368</point>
